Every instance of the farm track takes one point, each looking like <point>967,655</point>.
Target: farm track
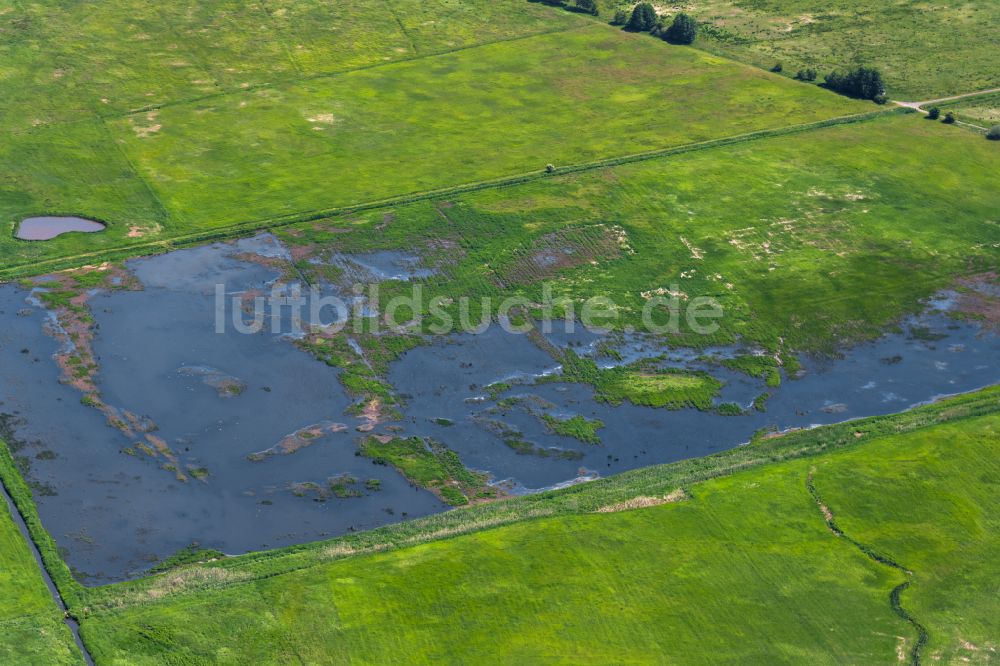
<point>155,247</point>
<point>872,554</point>
<point>919,106</point>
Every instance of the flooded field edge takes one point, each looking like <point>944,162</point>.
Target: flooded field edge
<point>659,481</point>
<point>175,434</point>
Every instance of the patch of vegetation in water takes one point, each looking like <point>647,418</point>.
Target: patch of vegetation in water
<point>200,473</point>
<point>760,402</point>
<point>190,554</point>
<point>762,366</point>
<point>494,390</point>
<point>515,440</point>
<point>577,427</point>
<point>729,409</point>
<point>343,486</point>
<point>641,383</point>
<point>925,334</point>
<point>428,464</point>
<point>362,375</point>
<point>340,486</point>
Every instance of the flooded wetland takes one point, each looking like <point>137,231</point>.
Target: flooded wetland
<point>143,428</point>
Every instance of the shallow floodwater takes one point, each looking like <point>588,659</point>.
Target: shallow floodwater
<point>447,380</point>
<point>48,227</point>
<point>114,512</point>
<point>379,266</point>
<point>232,409</point>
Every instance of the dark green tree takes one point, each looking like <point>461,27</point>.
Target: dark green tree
<point>682,31</point>
<point>863,83</point>
<point>777,68</point>
<point>994,133</point>
<point>949,118</point>
<point>643,18</point>
<point>588,6</point>
<point>934,113</point>
<point>806,75</point>
<point>621,18</point>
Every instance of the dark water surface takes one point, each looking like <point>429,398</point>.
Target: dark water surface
<point>48,227</point>
<point>217,398</point>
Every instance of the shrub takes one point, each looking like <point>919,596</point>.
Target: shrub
<point>682,31</point>
<point>806,75</point>
<point>994,133</point>
<point>550,168</point>
<point>643,18</point>
<point>777,68</point>
<point>863,83</point>
<point>949,118</point>
<point>880,98</point>
<point>934,113</point>
<point>588,6</point>
<point>620,18</point>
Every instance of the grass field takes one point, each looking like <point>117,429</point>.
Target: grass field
<point>982,110</point>
<point>348,123</point>
<point>31,625</point>
<point>684,580</point>
<point>71,60</point>
<point>498,110</point>
<point>925,51</point>
<point>816,238</point>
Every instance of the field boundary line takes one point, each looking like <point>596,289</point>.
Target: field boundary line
<point>135,171</point>
<point>222,92</point>
<point>264,85</point>
<point>265,224</point>
<point>284,42</point>
<point>402,28</point>
<point>880,558</point>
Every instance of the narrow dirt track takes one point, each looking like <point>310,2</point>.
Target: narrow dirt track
<point>919,106</point>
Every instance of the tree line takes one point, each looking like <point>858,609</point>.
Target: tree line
<point>682,30</point>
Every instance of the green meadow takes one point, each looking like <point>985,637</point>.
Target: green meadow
<point>982,110</point>
<point>72,60</point>
<point>496,111</point>
<point>686,578</point>
<point>808,241</point>
<point>523,150</point>
<point>925,51</point>
<point>31,624</point>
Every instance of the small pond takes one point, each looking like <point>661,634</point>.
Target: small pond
<point>48,227</point>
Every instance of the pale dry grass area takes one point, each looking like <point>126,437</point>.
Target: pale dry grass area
<point>644,501</point>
